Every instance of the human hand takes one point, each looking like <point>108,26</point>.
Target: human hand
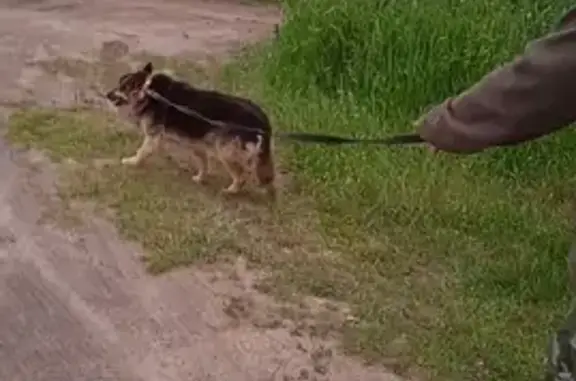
<point>416,124</point>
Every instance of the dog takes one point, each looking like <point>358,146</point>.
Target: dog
<point>233,129</point>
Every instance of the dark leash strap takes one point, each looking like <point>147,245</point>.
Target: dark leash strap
<point>304,137</point>
<point>401,139</point>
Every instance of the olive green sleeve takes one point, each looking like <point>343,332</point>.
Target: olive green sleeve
<point>529,97</point>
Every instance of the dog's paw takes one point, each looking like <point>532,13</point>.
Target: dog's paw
<point>199,178</point>
<point>270,191</point>
<point>104,163</point>
<point>133,160</point>
<point>232,189</point>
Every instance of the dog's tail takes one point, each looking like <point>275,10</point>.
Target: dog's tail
<point>265,170</point>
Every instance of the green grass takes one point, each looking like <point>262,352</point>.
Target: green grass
<point>158,205</point>
<point>460,259</point>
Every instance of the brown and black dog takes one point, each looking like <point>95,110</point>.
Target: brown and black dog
<point>234,130</point>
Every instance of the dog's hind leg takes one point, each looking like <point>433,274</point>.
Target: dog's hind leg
<point>264,167</point>
<point>151,143</point>
<point>237,173</point>
<point>229,155</point>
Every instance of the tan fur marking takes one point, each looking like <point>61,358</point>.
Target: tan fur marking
<point>146,84</point>
<point>266,172</point>
<point>232,157</point>
<point>150,145</point>
<point>253,149</point>
<point>120,94</point>
<point>251,156</point>
<point>200,157</point>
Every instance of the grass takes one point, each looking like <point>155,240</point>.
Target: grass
<point>177,221</point>
<point>455,266</point>
<point>461,260</point>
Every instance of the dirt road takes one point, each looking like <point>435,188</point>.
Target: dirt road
<point>77,305</point>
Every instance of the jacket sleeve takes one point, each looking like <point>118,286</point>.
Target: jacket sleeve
<point>529,97</point>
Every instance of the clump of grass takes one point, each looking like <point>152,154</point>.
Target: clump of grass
<point>397,56</point>
<point>460,259</point>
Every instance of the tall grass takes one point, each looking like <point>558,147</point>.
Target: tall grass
<point>456,265</point>
<point>395,56</point>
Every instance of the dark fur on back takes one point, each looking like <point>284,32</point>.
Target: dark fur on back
<point>211,104</point>
<point>189,125</point>
<point>240,120</point>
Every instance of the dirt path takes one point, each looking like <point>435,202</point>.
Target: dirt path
<point>77,305</point>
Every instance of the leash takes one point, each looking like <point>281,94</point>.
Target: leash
<point>401,139</point>
<point>331,139</point>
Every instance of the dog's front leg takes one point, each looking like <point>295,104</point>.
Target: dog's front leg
<point>201,161</point>
<point>152,139</point>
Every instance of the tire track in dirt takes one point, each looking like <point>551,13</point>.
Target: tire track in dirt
<point>77,304</point>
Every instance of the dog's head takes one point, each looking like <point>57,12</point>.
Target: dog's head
<point>129,86</point>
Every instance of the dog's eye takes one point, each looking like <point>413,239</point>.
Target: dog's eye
<point>129,86</point>
<point>126,82</point>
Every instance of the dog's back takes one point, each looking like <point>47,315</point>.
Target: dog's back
<point>211,104</point>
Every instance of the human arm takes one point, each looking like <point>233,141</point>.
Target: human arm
<point>529,97</point>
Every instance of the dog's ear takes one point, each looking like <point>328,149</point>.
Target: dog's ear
<point>148,68</point>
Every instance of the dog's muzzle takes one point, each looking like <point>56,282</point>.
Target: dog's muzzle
<point>117,98</point>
